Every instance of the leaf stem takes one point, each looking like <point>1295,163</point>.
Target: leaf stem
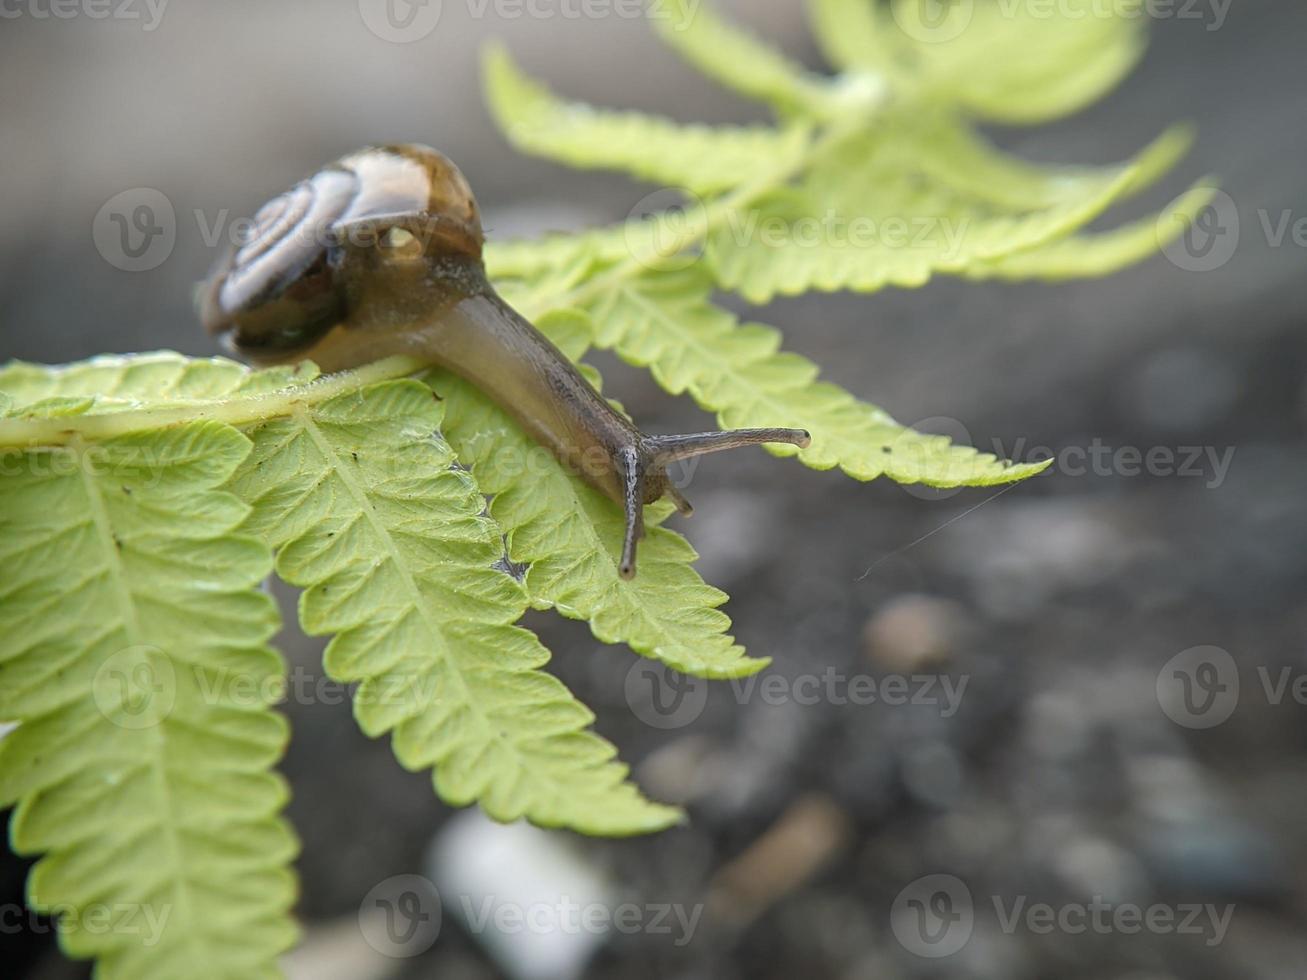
<point>237,410</point>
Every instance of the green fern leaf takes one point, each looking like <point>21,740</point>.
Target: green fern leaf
<point>956,156</point>
<point>948,155</point>
<point>133,656</point>
<point>740,61</point>
<point>400,563</point>
<point>703,159</point>
<point>864,219</point>
<point>882,193</point>
<point>1104,252</point>
<point>853,35</point>
<point>58,406</point>
<point>1030,68</point>
<point>122,382</point>
<point>1003,62</point>
<point>665,321</point>
<point>563,258</point>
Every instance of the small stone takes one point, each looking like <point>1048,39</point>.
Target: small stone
<point>535,883</point>
<point>683,770</point>
<point>804,839</point>
<point>913,632</point>
<point>337,950</point>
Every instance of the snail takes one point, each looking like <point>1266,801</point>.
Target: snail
<point>379,254</point>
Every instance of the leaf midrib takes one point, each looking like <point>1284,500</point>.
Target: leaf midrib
<point>126,603</point>
<point>448,650</point>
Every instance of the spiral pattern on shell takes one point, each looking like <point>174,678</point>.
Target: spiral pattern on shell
<point>282,286</point>
<point>290,233</point>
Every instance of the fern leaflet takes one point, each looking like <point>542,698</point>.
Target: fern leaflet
<point>134,657</point>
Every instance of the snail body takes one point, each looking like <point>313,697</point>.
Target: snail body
<point>379,254</point>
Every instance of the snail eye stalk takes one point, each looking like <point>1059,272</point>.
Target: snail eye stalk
<point>658,451</point>
<point>670,449</point>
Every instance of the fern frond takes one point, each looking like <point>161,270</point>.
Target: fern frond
<point>568,256</point>
<point>954,157</point>
<point>863,219</point>
<point>133,654</point>
<point>1011,63</point>
<point>665,321</point>
<point>116,382</point>
<point>854,36</point>
<point>1024,67</point>
<point>957,156</point>
<point>1101,253</point>
<point>400,563</point>
<point>877,194</point>
<point>738,60</point>
<point>701,159</point>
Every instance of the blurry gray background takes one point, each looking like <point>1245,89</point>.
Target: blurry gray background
<point>1060,779</point>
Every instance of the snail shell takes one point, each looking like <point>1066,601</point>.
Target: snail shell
<point>289,280</point>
